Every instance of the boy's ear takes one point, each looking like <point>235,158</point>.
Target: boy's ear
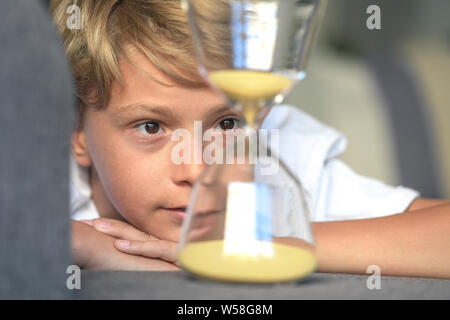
<point>80,149</point>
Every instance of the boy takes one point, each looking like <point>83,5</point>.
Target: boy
<point>137,82</point>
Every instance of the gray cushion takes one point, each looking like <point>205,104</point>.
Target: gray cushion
<point>36,104</point>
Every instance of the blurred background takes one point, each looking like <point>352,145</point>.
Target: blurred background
<point>387,90</point>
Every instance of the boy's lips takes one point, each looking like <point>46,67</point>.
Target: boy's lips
<point>178,213</point>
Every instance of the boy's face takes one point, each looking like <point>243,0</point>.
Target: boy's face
<point>129,146</point>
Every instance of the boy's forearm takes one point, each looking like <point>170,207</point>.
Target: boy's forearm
<point>415,243</point>
<point>423,203</point>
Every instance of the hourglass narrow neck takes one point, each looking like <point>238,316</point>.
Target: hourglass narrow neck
<point>253,112</point>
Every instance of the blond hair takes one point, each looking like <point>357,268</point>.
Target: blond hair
<point>157,28</point>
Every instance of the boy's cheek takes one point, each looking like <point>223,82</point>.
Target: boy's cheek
<point>134,183</point>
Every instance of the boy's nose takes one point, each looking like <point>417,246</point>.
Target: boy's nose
<point>187,163</point>
<point>186,173</point>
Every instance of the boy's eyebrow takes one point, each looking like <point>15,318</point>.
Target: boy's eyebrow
<point>219,109</point>
<point>161,110</point>
<point>168,112</point>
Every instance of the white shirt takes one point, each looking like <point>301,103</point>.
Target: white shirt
<point>310,149</point>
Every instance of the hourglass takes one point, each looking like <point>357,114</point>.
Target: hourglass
<point>248,216</point>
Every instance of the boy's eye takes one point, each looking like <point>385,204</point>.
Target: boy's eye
<point>148,128</point>
<point>228,124</point>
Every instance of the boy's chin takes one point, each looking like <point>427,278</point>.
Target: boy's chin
<point>172,236</point>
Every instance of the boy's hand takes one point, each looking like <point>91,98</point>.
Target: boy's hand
<point>96,250</point>
<point>133,241</point>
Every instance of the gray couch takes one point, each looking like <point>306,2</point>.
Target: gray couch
<point>36,106</point>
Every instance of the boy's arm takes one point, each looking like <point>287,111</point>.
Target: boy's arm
<point>422,203</point>
<point>414,243</point>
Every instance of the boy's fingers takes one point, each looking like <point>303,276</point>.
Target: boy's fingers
<point>160,249</point>
<point>119,229</point>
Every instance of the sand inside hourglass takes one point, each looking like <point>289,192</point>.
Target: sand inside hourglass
<point>207,259</point>
<point>241,256</point>
<point>249,88</point>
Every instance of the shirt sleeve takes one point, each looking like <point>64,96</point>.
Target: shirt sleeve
<point>342,194</point>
